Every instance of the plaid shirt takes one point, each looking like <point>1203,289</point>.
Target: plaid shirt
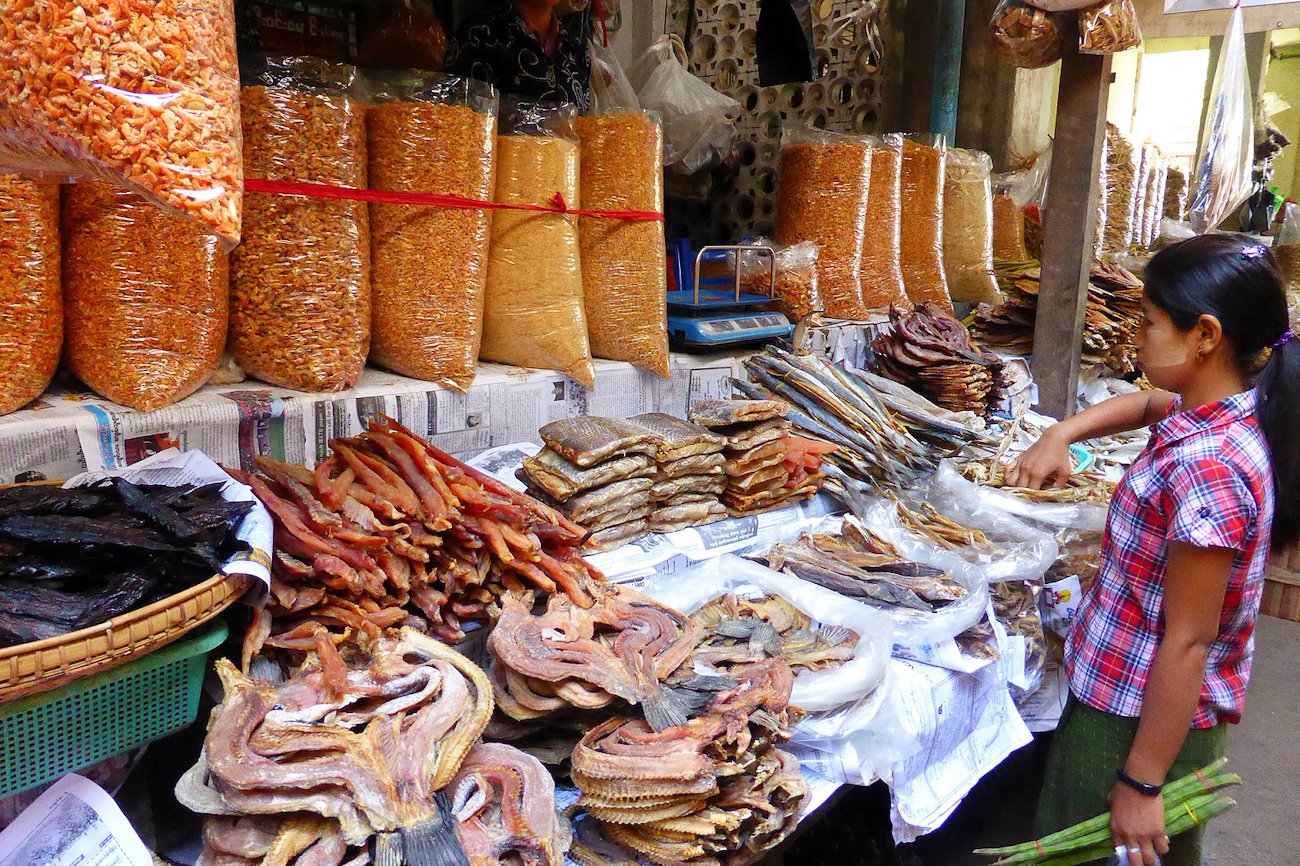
<point>1204,479</point>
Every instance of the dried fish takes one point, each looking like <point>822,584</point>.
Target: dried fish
<point>588,440</point>
<point>722,413</point>
<point>930,351</point>
<point>562,479</point>
<point>732,630</point>
<point>677,438</point>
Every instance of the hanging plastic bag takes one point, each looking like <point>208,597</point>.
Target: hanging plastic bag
<point>534,311</point>
<point>31,305</point>
<point>1222,179</point>
<point>430,134</point>
<point>1024,36</point>
<point>968,227</point>
<point>143,96</point>
<point>814,691</point>
<point>1109,28</point>
<point>822,198</point>
<point>699,123</point>
<point>300,279</point>
<point>611,91</point>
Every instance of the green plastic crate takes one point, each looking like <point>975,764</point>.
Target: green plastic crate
<point>46,736</point>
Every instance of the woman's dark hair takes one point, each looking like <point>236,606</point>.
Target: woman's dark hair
<point>1237,280</point>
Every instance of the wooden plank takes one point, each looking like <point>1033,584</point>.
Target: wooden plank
<point>1156,24</point>
<point>1070,212</point>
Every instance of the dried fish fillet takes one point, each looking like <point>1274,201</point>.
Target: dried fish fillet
<point>755,482</point>
<point>562,479</point>
<point>616,536</point>
<point>721,413</point>
<point>702,464</point>
<point>672,490</point>
<point>687,514</point>
<point>741,463</point>
<point>590,502</point>
<point>743,437</point>
<point>677,438</point>
<point>588,440</point>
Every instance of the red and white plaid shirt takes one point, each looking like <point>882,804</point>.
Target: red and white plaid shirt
<point>1204,478</point>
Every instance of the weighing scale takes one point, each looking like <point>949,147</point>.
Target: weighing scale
<point>714,315</point>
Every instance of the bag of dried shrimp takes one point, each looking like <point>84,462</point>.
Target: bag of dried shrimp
<point>1024,36</point>
<point>1109,28</point>
<point>432,134</point>
<point>300,280</point>
<point>882,270</point>
<point>921,250</point>
<point>31,306</point>
<point>968,226</point>
<point>142,95</point>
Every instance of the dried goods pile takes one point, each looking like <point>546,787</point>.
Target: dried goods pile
<point>1025,36</point>
<point>1008,230</point>
<point>430,263</point>
<point>926,521</point>
<point>1015,604</point>
<point>1114,311</point>
<point>1087,486</point>
<point>563,657</point>
<point>141,95</point>
<point>79,557</point>
<point>352,752</point>
<point>860,564</point>
<point>731,630</point>
<point>623,261</point>
<point>883,436</point>
<point>715,790</point>
<point>766,465</point>
<point>882,270</point>
<point>504,803</point>
<point>300,280</point>
<point>690,473</point>
<point>1176,194</point>
<point>968,226</point>
<point>146,308</point>
<point>921,233</point>
<point>790,278</point>
<point>931,352</point>
<point>31,302</point>
<point>391,530</point>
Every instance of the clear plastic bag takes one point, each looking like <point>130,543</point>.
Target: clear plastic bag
<point>1176,194</point>
<point>145,307</point>
<point>1025,36</point>
<point>430,134</point>
<point>968,226</point>
<point>1287,252</point>
<point>1122,164</point>
<point>1015,604</point>
<point>1008,229</point>
<point>1222,178</point>
<point>1146,166</point>
<point>814,691</point>
<point>822,198</point>
<point>1156,200</point>
<point>699,123</point>
<point>534,311</point>
<point>795,286</point>
<point>140,95</point>
<point>624,261</point>
<point>1109,28</point>
<point>300,280</point>
<point>31,303</point>
<point>921,232</point>
<point>882,270</point>
<point>611,91</point>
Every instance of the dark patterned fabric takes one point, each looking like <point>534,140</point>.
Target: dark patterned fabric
<point>498,46</point>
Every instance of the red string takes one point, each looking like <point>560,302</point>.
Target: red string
<point>604,27</point>
<point>428,199</point>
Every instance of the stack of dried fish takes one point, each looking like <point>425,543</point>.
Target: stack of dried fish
<point>391,530</point>
<point>860,564</point>
<point>931,352</point>
<point>621,647</point>
<point>504,803</point>
<point>713,790</point>
<point>346,754</point>
<point>882,436</point>
<point>766,466</point>
<point>1114,311</point>
<point>690,475</point>
<point>76,558</point>
<point>731,630</point>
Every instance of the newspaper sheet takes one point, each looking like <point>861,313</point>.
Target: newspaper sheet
<point>74,823</point>
<point>966,725</point>
<point>1042,710</point>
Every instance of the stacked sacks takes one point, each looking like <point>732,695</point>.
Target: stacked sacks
<point>689,475</point>
<point>766,466</point>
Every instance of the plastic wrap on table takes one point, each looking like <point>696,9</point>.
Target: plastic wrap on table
<point>429,278</point>
<point>534,311</point>
<point>145,297</point>
<point>1122,164</point>
<point>1222,177</point>
<point>882,270</point>
<point>1109,28</point>
<point>1008,229</point>
<point>1025,36</point>
<point>921,234</point>
<point>1176,194</point>
<point>300,280</point>
<point>968,226</point>
<point>624,263</point>
<point>822,198</point>
<point>792,277</point>
<point>31,303</point>
<point>140,95</point>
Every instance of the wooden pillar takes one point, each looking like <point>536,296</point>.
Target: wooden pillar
<point>1070,212</point>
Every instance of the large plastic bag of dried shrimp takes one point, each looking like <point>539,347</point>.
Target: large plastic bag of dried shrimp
<point>145,297</point>
<point>300,281</point>
<point>623,261</point>
<point>968,226</point>
<point>430,134</point>
<point>822,198</point>
<point>31,306</point>
<point>534,313</point>
<point>142,95</point>
<point>922,223</point>
<point>882,271</point>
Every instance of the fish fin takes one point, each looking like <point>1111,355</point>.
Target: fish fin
<point>737,628</point>
<point>434,842</point>
<point>664,710</point>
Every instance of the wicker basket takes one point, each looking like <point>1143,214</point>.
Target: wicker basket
<point>39,666</point>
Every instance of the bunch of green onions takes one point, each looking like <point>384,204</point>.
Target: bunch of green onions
<point>1192,800</point>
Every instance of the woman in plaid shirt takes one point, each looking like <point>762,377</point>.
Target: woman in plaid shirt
<point>1160,652</point>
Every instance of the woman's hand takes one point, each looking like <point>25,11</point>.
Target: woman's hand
<point>1137,822</point>
<point>1047,463</point>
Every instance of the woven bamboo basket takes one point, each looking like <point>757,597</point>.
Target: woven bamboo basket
<point>38,666</point>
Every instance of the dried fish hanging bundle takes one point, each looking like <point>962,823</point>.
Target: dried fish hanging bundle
<point>1109,28</point>
<point>716,789</point>
<point>1176,194</point>
<point>391,530</point>
<point>932,353</point>
<point>1121,175</point>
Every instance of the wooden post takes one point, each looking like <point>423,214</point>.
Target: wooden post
<point>1070,212</point>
